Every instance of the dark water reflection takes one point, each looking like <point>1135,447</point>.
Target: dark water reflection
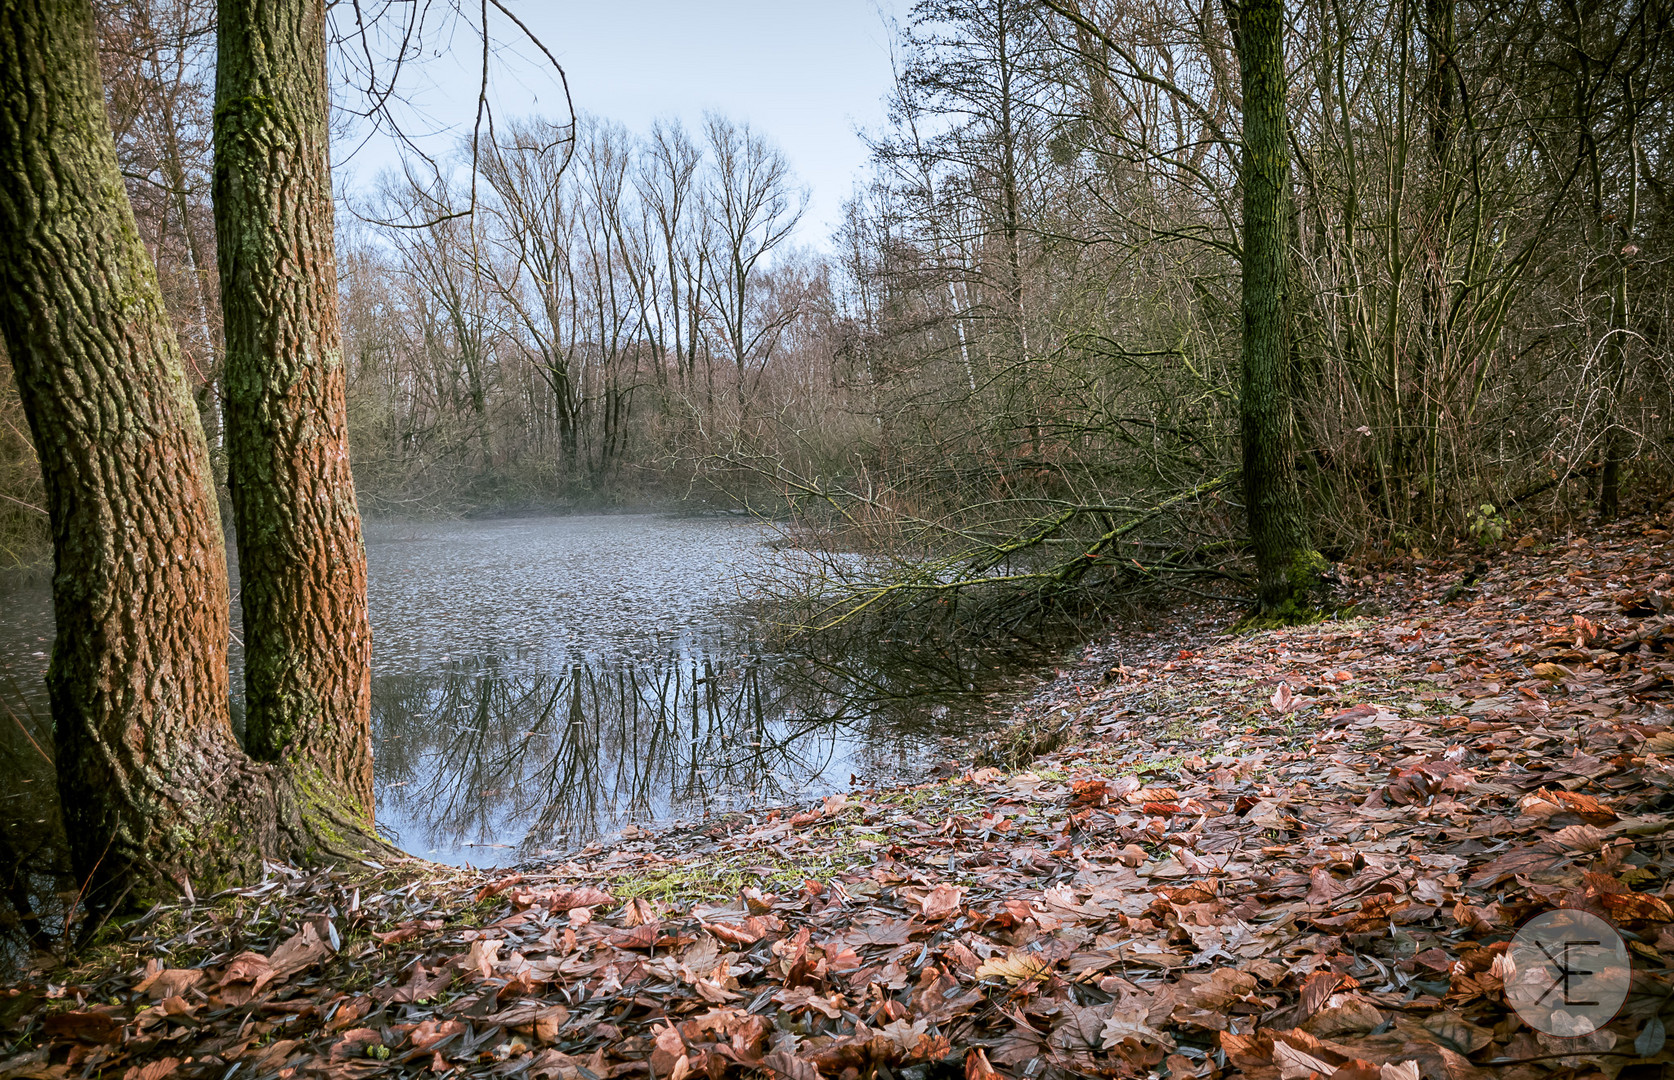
<point>542,683</point>
<point>493,760</point>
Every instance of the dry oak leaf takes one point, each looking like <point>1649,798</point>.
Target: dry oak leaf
<point>1126,1024</point>
<point>556,1065</point>
<point>420,984</point>
<point>736,1035</point>
<point>270,1057</point>
<point>748,932</point>
<point>887,932</point>
<point>154,1070</point>
<point>1294,1064</point>
<point>1344,1014</point>
<point>244,977</point>
<point>804,999</point>
<point>176,1006</point>
<point>300,951</point>
<point>1123,788</point>
<point>1360,1069</point>
<point>669,1052</point>
<point>1458,1033</point>
<point>1085,793</point>
<point>906,1036</point>
<point>649,936</point>
<point>1523,860</point>
<point>432,1033</point>
<point>1580,838</point>
<point>1195,863</point>
<point>1322,887</point>
<point>1353,713</point>
<point>1180,1067</point>
<point>406,931</point>
<point>1587,808</point>
<point>543,1019</point>
<point>84,1025</point>
<point>563,899</point>
<point>481,957</point>
<point>1631,907</point>
<point>977,1066</point>
<point>495,888</point>
<point>170,982</point>
<point>713,992</point>
<point>639,912</point>
<point>1248,1052</point>
<point>937,904</point>
<point>1019,966</point>
<point>33,1065</point>
<point>349,1012</point>
<point>353,1044</point>
<point>789,1066</point>
<point>1223,987</point>
<point>1318,987</point>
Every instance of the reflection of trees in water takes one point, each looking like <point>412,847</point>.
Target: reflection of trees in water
<point>556,756</point>
<point>490,749</point>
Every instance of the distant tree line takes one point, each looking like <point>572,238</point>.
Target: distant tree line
<point>1034,300</point>
<point>608,312</point>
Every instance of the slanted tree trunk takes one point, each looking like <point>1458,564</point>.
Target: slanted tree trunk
<point>1288,568</point>
<point>301,560</point>
<point>153,783</point>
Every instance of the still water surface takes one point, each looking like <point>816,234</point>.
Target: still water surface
<point>542,683</point>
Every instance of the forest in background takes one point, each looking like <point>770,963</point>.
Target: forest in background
<point>1025,336</point>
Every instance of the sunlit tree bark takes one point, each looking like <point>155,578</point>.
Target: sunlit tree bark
<point>153,784</point>
<point>302,563</point>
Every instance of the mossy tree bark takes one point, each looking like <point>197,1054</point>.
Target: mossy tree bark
<point>153,783</point>
<point>302,563</point>
<point>1288,568</point>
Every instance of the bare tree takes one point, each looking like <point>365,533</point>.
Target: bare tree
<point>752,206</point>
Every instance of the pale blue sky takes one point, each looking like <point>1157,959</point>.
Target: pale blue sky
<point>805,72</point>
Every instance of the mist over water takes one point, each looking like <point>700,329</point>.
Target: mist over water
<point>539,684</point>
<point>542,683</point>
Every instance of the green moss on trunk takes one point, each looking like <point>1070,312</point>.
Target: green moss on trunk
<point>1288,569</point>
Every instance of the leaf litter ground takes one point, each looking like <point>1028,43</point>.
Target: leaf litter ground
<point>1280,855</point>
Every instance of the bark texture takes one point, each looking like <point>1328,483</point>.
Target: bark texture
<point>302,563</point>
<point>152,781</point>
<point>1288,568</point>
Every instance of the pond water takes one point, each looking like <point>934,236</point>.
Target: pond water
<point>542,683</point>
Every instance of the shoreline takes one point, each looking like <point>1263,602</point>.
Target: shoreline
<point>1266,854</point>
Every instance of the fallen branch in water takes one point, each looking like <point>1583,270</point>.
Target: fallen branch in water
<point>945,559</point>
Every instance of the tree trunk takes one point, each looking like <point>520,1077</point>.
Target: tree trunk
<point>1288,568</point>
<point>1616,345</point>
<point>152,780</point>
<point>302,563</point>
